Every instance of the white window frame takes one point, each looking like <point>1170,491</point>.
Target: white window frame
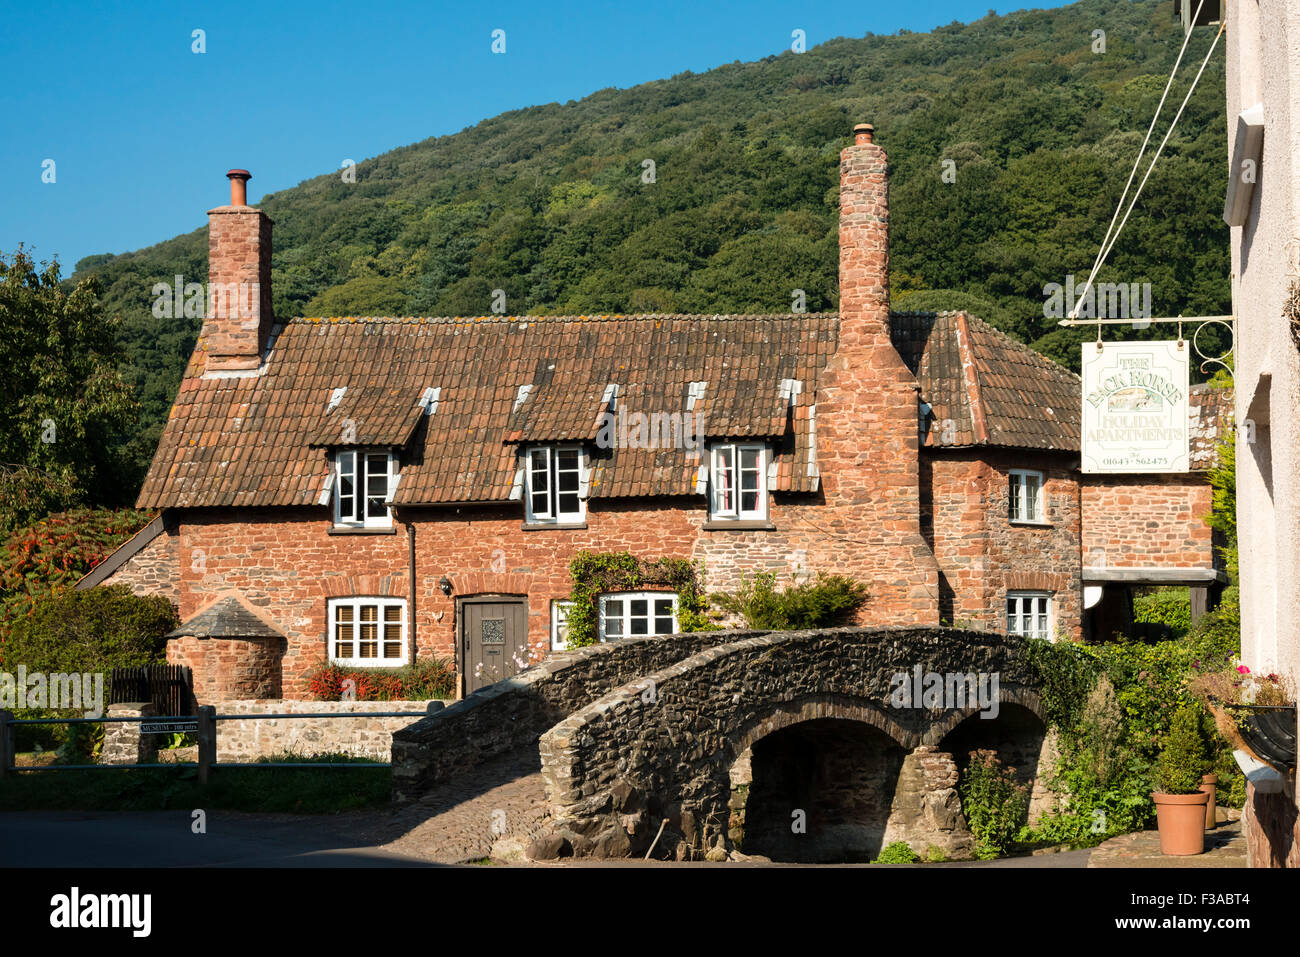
<point>1018,600</point>
<point>356,604</point>
<point>625,616</point>
<point>1019,499</point>
<point>542,480</point>
<point>560,625</point>
<point>346,462</point>
<point>725,460</point>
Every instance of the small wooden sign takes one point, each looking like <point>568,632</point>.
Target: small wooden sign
<point>175,726</point>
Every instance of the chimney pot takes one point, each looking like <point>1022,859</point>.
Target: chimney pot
<point>862,134</point>
<point>239,186</point>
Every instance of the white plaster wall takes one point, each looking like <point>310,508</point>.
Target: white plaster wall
<point>1263,64</point>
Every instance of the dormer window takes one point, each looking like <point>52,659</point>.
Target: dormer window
<point>364,482</point>
<point>738,482</point>
<point>553,477</point>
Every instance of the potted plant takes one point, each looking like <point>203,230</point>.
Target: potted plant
<point>1255,712</point>
<point>1180,802</point>
<point>1210,784</point>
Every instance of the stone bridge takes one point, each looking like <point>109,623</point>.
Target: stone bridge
<point>793,745</point>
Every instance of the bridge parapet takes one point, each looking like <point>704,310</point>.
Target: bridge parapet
<point>513,713</point>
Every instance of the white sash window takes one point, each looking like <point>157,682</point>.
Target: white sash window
<point>555,479</point>
<point>364,482</point>
<point>738,479</point>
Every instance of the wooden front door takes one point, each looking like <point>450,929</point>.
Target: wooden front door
<point>493,639</point>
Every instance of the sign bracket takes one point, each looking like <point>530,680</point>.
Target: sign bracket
<point>1222,359</point>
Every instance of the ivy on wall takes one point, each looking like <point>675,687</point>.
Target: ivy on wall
<point>596,573</point>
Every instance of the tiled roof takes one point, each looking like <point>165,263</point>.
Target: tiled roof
<point>225,618</point>
<point>984,387</point>
<point>499,381</point>
<point>459,396</point>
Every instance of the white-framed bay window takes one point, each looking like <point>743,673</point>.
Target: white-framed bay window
<point>632,614</point>
<point>367,632</point>
<point>738,482</point>
<point>364,482</point>
<point>1025,496</point>
<point>553,485</point>
<point>1029,614</point>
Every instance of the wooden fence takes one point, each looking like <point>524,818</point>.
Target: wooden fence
<point>169,687</point>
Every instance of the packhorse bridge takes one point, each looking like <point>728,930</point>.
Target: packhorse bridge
<point>819,745</point>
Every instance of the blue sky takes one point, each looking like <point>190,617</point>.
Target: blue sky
<point>142,129</point>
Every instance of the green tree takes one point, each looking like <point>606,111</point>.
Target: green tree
<point>64,407</point>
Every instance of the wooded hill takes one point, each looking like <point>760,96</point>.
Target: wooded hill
<point>550,205</point>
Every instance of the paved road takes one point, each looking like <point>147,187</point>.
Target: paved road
<point>164,839</point>
<point>455,823</point>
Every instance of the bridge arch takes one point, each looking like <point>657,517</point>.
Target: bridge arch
<point>659,754</point>
<point>814,781</point>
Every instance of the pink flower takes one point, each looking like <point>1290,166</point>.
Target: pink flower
<point>1242,669</point>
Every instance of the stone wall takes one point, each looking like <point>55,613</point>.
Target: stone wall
<point>662,748</point>
<point>982,554</point>
<point>515,712</point>
<point>1146,520</point>
<point>153,570</point>
<point>362,737</point>
<point>123,742</point>
<point>230,668</point>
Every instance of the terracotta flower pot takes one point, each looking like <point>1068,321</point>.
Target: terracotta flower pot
<point>1181,820</point>
<point>1209,785</point>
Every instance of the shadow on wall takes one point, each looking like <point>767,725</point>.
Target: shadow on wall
<point>819,792</point>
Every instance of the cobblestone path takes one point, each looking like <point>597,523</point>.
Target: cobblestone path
<point>460,821</point>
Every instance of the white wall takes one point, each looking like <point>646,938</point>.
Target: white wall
<point>1263,64</point>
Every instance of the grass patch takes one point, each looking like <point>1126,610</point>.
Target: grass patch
<point>293,790</point>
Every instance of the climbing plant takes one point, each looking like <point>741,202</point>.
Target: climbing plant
<point>595,573</point>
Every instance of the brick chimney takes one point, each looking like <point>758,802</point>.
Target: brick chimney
<point>864,239</point>
<point>867,413</point>
<point>238,319</point>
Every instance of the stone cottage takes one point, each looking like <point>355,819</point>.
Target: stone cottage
<point>368,490</point>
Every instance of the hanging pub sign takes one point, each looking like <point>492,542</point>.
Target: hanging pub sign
<point>1135,407</point>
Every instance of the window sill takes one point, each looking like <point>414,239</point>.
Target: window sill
<point>349,530</point>
<point>1022,522</point>
<point>718,525</point>
<point>543,526</point>
<point>367,663</point>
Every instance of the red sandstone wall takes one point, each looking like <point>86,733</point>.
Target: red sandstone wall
<point>285,562</point>
<point>982,555</point>
<point>1146,520</point>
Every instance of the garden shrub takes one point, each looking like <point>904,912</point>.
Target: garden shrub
<point>935,854</point>
<point>823,602</point>
<point>1165,606</point>
<point>89,631</point>
<point>899,852</point>
<point>51,555</point>
<point>426,680</point>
